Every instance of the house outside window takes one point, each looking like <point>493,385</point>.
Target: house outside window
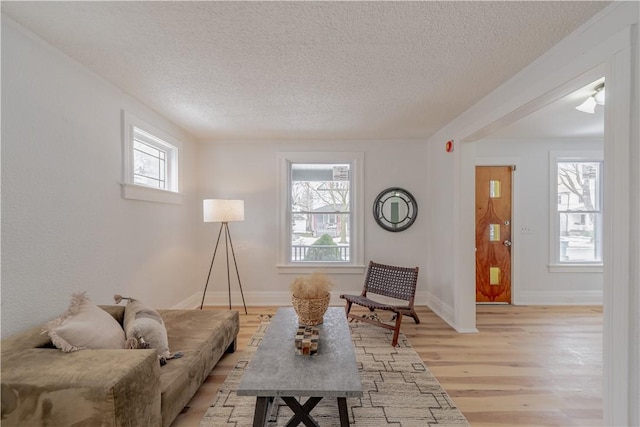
<point>577,213</point>
<point>150,161</point>
<point>321,209</point>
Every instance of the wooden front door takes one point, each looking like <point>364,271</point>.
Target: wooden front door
<point>493,234</point>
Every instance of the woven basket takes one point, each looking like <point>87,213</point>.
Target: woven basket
<point>310,311</point>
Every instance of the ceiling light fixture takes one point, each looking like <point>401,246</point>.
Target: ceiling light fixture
<point>596,98</point>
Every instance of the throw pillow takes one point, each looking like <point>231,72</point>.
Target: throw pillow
<point>85,325</point>
<point>144,328</point>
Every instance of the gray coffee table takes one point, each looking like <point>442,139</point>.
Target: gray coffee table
<point>276,370</point>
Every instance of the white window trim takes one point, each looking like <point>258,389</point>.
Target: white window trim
<point>356,160</point>
<point>567,156</point>
<point>131,190</point>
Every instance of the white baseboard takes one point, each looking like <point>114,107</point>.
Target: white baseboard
<point>558,298</point>
<point>440,308</point>
<point>444,311</point>
<point>252,298</point>
<point>276,298</point>
<point>190,303</point>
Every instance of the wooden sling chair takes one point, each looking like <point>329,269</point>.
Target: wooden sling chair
<point>388,281</point>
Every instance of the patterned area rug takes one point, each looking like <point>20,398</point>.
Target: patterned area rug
<point>399,390</point>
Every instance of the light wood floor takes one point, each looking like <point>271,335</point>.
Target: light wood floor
<point>528,366</point>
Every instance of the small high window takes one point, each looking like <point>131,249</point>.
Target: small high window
<point>150,166</point>
<point>150,162</point>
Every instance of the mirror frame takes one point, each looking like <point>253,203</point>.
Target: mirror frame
<point>411,212</point>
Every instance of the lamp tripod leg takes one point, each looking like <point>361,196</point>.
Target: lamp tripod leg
<point>210,268</point>
<point>237,273</point>
<point>226,247</point>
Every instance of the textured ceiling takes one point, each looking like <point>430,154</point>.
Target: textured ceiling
<point>305,70</point>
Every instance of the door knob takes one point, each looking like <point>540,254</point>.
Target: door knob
<point>507,243</point>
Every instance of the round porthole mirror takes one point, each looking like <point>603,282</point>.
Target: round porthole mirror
<point>395,209</point>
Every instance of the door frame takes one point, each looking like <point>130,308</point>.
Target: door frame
<point>515,214</point>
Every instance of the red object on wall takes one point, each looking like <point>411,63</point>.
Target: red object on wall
<point>449,146</point>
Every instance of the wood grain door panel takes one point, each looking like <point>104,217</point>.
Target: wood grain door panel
<point>493,234</point>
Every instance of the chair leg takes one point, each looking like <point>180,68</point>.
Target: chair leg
<point>396,331</point>
<point>415,317</point>
<point>347,308</point>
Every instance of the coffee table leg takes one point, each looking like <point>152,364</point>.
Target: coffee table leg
<point>262,411</point>
<point>301,413</point>
<point>344,412</point>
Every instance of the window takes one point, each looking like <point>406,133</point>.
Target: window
<point>577,214</point>
<point>320,210</point>
<point>150,162</point>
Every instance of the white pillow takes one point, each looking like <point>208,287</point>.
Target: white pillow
<point>85,325</point>
<point>144,328</point>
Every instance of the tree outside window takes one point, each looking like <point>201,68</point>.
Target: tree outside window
<point>320,212</point>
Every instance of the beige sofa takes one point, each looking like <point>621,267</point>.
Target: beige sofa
<point>42,386</point>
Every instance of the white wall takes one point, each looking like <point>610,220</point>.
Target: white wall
<point>441,234</point>
<point>65,226</point>
<point>249,170</point>
<point>533,283</point>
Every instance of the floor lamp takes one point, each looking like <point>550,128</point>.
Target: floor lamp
<point>224,211</point>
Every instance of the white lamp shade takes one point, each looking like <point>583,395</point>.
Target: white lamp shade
<point>588,106</point>
<point>220,210</point>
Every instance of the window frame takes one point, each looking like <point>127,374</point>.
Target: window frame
<point>555,157</point>
<point>135,128</point>
<point>356,164</point>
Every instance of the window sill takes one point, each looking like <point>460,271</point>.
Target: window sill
<point>139,192</point>
<point>325,268</point>
<point>575,268</point>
